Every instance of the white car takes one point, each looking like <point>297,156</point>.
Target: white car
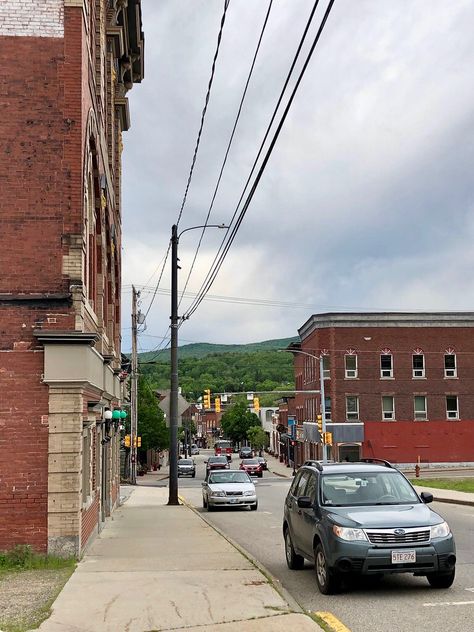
<point>194,450</point>
<point>229,488</point>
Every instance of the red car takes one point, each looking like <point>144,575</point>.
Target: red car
<point>217,463</point>
<point>253,467</point>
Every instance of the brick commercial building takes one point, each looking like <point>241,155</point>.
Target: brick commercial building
<point>398,386</point>
<point>66,68</point>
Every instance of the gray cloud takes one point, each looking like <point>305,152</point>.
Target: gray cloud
<point>367,199</point>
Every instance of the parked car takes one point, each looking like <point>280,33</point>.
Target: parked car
<point>364,518</point>
<point>217,463</point>
<point>263,461</point>
<point>246,452</point>
<point>186,467</point>
<point>194,449</point>
<point>252,467</point>
<point>229,488</point>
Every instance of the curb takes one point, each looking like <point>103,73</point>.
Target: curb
<point>453,501</point>
<point>274,582</point>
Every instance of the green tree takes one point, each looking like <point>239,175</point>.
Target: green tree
<point>236,421</point>
<point>258,438</point>
<point>150,418</point>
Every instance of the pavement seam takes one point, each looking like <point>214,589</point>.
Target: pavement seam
<point>274,582</point>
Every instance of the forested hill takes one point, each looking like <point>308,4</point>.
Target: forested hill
<point>225,368</point>
<point>202,349</point>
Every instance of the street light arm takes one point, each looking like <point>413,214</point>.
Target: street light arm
<point>201,226</point>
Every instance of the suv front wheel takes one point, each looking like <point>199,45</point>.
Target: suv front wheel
<point>441,580</point>
<point>327,579</point>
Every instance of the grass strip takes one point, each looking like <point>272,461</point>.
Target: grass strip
<point>456,484</point>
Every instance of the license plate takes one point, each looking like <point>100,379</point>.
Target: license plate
<point>403,557</point>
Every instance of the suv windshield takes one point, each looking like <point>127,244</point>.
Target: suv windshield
<point>366,488</point>
<point>217,459</point>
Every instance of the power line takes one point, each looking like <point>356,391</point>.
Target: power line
<point>244,94</point>
<point>198,140</point>
<point>214,271</point>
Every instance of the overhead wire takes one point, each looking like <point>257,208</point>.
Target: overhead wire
<point>229,145</point>
<point>198,141</point>
<point>222,253</point>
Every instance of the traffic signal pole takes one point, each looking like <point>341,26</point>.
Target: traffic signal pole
<point>323,409</point>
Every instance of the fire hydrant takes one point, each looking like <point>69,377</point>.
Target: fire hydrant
<point>417,470</point>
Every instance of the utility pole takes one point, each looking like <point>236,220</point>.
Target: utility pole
<point>134,391</point>
<point>173,478</point>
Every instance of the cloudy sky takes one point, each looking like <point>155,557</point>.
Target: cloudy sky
<point>367,200</point>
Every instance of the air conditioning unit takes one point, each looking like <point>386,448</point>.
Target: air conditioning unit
<point>449,372</point>
<point>386,372</point>
<point>418,372</point>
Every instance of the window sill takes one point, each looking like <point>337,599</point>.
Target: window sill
<point>385,377</point>
<point>418,377</point>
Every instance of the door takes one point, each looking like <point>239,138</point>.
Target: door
<point>307,517</point>
<point>349,452</point>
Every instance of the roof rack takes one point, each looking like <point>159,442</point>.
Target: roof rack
<point>374,460</point>
<point>315,464</point>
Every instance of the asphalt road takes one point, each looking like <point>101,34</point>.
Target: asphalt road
<point>397,603</point>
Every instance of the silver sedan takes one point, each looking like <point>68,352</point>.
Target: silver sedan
<point>229,488</point>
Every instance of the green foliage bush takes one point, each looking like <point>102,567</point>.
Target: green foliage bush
<point>22,557</point>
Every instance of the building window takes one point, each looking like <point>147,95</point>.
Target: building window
<point>351,366</point>
<point>352,408</point>
<point>420,407</point>
<point>452,411</point>
<point>386,365</point>
<point>388,407</point>
<point>327,408</point>
<point>450,369</point>
<point>86,466</point>
<point>418,365</point>
<point>326,367</point>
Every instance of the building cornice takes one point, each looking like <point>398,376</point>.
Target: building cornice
<point>386,319</point>
<point>66,337</point>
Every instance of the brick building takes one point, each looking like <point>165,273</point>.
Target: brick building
<point>398,386</point>
<point>66,68</point>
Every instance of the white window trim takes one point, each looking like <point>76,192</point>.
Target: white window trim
<point>425,412</point>
<point>450,373</point>
<point>391,413</point>
<point>351,374</point>
<point>386,374</point>
<point>418,373</point>
<point>356,413</point>
<point>452,414</point>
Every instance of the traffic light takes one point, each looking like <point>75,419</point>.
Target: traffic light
<point>139,442</point>
<point>127,441</point>
<point>320,423</point>
<point>217,404</point>
<point>256,404</point>
<point>328,438</point>
<point>207,398</point>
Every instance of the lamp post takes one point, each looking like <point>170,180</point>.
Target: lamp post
<point>321,389</point>
<point>173,477</point>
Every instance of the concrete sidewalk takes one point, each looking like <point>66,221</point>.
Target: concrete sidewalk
<point>160,567</point>
<point>440,495</point>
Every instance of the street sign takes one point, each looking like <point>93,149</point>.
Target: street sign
<point>291,420</point>
<point>165,407</point>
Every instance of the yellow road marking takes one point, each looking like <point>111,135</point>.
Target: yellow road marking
<point>332,622</point>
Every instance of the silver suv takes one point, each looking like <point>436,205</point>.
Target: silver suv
<point>364,519</point>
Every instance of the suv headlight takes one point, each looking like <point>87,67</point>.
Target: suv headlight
<point>218,493</point>
<point>347,533</point>
<point>440,530</point>
<point>249,493</point>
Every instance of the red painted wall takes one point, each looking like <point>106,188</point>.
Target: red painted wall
<point>432,441</point>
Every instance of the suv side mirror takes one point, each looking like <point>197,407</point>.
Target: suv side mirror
<point>305,502</point>
<point>426,497</point>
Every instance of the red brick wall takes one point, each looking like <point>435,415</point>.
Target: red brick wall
<point>89,518</point>
<point>23,450</point>
<point>33,173</point>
